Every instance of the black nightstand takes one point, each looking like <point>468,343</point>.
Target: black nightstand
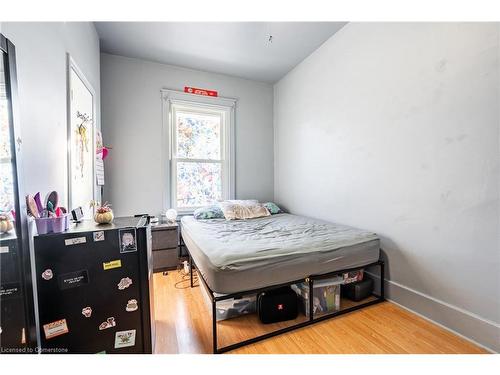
<point>165,246</point>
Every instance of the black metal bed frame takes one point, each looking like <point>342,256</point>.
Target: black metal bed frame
<point>310,320</point>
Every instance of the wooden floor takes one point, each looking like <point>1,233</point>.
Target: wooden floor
<point>184,325</point>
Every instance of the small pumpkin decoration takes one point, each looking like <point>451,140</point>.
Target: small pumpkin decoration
<point>5,224</point>
<point>103,213</point>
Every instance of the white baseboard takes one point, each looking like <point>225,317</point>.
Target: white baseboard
<point>463,323</point>
<point>442,326</point>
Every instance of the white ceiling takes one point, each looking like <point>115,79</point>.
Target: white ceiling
<point>239,49</point>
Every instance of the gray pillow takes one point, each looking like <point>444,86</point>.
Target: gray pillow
<point>273,208</point>
<point>209,212</point>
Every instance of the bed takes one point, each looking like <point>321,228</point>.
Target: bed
<point>234,258</point>
<point>240,255</point>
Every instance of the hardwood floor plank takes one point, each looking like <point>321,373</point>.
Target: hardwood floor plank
<point>184,325</point>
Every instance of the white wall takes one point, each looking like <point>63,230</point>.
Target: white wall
<point>132,125</point>
<point>395,128</point>
<point>41,73</point>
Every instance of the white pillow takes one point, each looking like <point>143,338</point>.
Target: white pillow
<point>234,211</point>
<point>244,202</point>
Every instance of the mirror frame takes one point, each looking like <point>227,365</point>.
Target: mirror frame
<point>20,203</point>
<point>71,65</point>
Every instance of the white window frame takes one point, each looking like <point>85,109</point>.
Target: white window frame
<point>175,100</point>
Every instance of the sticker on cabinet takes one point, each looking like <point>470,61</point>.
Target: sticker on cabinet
<point>113,264</point>
<point>131,305</point>
<point>75,241</point>
<point>124,283</point>
<point>47,274</point>
<point>87,312</point>
<point>98,236</point>
<point>110,322</point>
<point>127,240</point>
<point>73,279</point>
<point>57,328</point>
<point>9,290</point>
<point>124,339</point>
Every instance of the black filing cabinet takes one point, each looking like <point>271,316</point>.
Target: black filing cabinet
<point>94,288</point>
<point>165,246</point>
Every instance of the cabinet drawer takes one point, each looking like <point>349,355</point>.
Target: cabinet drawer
<point>163,259</point>
<point>164,239</point>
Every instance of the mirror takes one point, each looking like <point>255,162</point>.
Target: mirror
<point>81,140</point>
<point>16,302</point>
<point>7,204</point>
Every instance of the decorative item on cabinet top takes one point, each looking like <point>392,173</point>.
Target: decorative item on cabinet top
<point>50,218</point>
<point>103,212</point>
<point>5,224</point>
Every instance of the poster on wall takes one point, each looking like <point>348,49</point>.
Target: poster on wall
<point>81,140</point>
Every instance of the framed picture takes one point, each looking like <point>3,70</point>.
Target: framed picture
<point>81,139</point>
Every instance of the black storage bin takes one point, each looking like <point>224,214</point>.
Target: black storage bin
<point>358,290</point>
<point>277,305</point>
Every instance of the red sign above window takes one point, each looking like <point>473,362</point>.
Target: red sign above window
<point>197,91</point>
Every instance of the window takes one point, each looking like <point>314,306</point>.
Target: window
<point>200,153</point>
